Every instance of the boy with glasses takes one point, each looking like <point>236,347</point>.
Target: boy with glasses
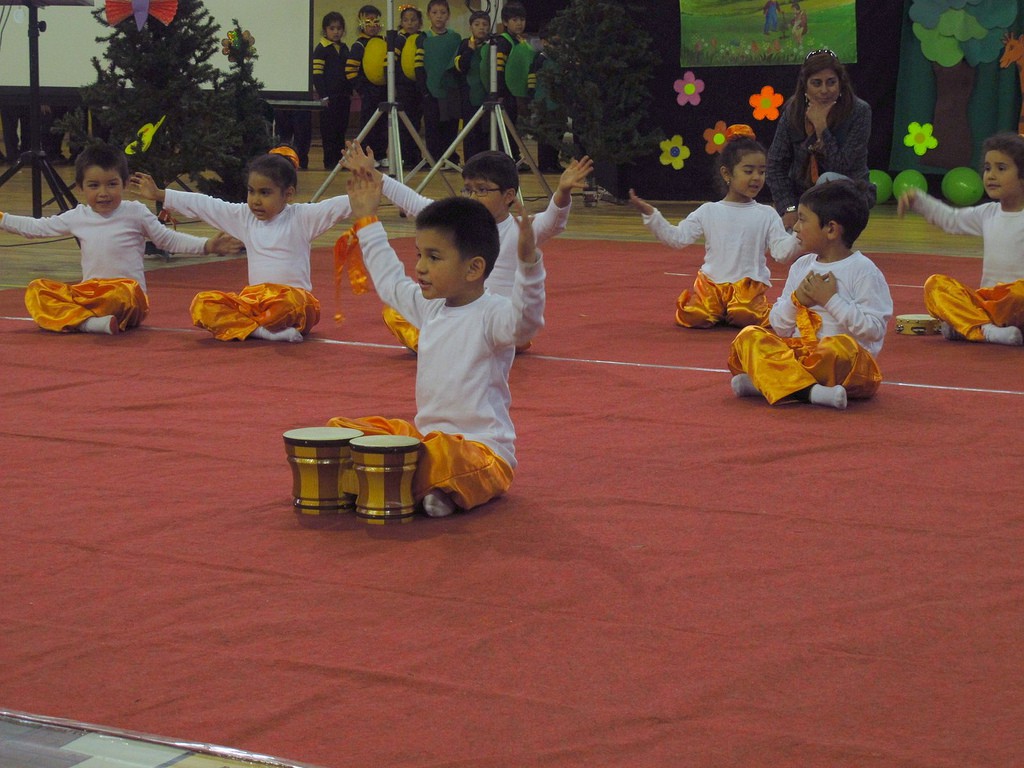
<point>492,178</point>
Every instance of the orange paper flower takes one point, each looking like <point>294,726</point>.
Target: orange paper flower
<point>715,138</point>
<point>766,104</point>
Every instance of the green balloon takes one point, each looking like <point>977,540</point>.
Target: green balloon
<point>909,178</point>
<point>962,186</point>
<point>883,185</point>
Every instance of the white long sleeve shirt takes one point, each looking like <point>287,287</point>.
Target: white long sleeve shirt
<point>465,353</point>
<point>861,307</point>
<point>546,224</point>
<point>1002,233</point>
<point>278,249</point>
<point>736,237</point>
<point>113,245</point>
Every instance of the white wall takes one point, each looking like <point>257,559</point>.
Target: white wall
<point>282,29</point>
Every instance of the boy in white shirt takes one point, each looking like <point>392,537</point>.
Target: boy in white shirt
<point>468,337</point>
<point>829,323</point>
<point>112,234</point>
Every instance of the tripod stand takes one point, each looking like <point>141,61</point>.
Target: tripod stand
<point>501,128</point>
<point>393,111</point>
<point>36,157</point>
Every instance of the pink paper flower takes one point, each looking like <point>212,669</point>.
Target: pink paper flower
<point>689,89</point>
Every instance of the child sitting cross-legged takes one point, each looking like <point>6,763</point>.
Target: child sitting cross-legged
<point>829,323</point>
<point>112,233</point>
<point>467,341</point>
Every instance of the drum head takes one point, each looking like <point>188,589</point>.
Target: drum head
<point>375,60</point>
<point>320,435</point>
<point>384,443</point>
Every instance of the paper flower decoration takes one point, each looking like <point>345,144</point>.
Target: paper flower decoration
<point>239,46</point>
<point>689,89</point>
<point>715,138</point>
<point>145,134</point>
<point>674,152</point>
<point>119,10</point>
<point>920,138</point>
<point>766,104</point>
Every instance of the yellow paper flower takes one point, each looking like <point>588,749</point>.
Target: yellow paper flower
<point>766,104</point>
<point>674,152</point>
<point>920,138</point>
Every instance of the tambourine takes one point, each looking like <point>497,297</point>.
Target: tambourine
<point>917,325</point>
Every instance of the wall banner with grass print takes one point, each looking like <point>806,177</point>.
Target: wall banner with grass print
<point>739,33</point>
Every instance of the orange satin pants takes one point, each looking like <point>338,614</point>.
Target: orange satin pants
<point>59,306</point>
<point>780,368</point>
<point>966,309</point>
<point>470,472</point>
<point>236,315</point>
<point>739,304</point>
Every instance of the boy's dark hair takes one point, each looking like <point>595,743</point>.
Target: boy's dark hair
<point>468,223</point>
<point>280,170</point>
<point>732,154</point>
<point>1010,144</point>
<point>102,156</point>
<point>432,3</point>
<point>493,166</point>
<point>843,201</point>
<point>479,15</point>
<point>513,11</point>
<point>330,18</point>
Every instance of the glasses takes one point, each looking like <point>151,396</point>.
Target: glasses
<point>818,52</point>
<point>479,192</point>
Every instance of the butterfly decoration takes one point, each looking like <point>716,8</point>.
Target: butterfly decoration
<point>239,46</point>
<point>145,134</point>
<point>119,10</point>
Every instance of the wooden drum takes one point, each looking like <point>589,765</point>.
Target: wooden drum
<point>384,466</point>
<point>917,325</point>
<point>323,481</point>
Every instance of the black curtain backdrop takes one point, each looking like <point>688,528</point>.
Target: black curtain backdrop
<point>726,94</point>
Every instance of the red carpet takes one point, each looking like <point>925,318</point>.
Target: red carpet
<point>676,578</point>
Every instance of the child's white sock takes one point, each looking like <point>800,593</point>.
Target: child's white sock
<point>834,397</point>
<point>948,333</point>
<point>437,503</point>
<point>288,334</point>
<point>1010,335</point>
<point>105,324</point>
<point>743,386</point>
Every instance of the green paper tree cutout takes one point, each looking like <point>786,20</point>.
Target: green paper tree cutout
<point>215,122</point>
<point>956,36</point>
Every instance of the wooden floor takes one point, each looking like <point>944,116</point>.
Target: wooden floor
<point>23,260</point>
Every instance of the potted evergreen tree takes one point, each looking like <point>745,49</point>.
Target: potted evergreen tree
<point>600,63</point>
<point>208,123</point>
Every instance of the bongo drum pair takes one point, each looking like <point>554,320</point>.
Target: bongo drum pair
<point>337,470</point>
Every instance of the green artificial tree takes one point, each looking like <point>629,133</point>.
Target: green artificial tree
<point>598,75</point>
<point>209,123</point>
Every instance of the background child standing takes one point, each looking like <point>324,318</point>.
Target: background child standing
<point>332,87</point>
<point>737,230</point>
<point>995,312</point>
<point>112,233</point>
<point>371,86</point>
<point>438,82</point>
